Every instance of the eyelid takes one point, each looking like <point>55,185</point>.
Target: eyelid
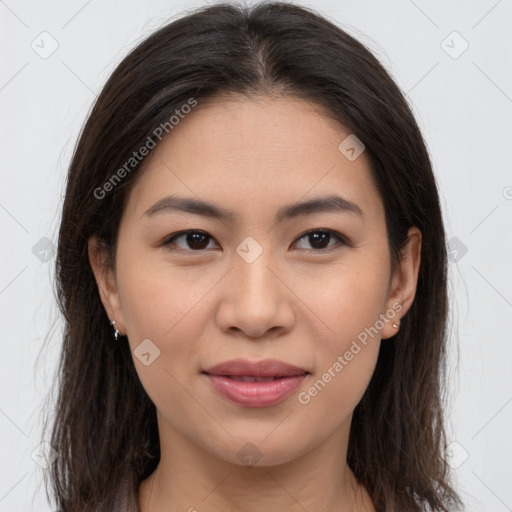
<point>342,239</point>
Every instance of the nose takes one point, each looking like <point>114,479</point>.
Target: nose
<point>255,300</point>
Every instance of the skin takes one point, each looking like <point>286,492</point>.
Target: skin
<point>295,302</point>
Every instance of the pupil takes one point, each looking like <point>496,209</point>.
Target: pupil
<point>197,240</point>
<point>318,238</point>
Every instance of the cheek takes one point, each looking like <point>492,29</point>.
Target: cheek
<point>159,300</point>
<point>168,308</point>
<point>161,305</point>
<point>355,303</point>
<point>347,351</point>
<point>348,297</point>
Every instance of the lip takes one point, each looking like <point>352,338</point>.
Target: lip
<point>282,377</point>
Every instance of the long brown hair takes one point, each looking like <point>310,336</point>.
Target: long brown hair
<point>105,428</point>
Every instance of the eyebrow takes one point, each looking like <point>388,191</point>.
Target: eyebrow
<point>331,203</point>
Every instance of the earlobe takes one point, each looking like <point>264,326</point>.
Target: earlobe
<point>106,281</point>
<point>404,282</point>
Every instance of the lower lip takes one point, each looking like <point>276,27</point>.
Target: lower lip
<point>255,394</point>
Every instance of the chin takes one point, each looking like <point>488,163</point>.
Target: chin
<point>245,451</point>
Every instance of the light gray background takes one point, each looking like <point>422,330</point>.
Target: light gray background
<point>463,105</point>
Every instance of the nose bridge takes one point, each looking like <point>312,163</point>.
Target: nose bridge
<point>255,300</point>
<point>256,285</point>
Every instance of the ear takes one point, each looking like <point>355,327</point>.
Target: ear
<point>107,283</point>
<point>402,289</point>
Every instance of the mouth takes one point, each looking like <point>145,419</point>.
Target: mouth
<point>255,384</point>
<point>250,378</point>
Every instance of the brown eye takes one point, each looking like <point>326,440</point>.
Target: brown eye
<point>320,239</point>
<point>193,240</point>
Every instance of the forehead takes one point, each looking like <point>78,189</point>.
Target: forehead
<point>265,150</point>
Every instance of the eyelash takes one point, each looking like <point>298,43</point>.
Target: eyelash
<point>169,241</point>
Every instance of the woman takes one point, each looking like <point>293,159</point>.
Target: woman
<point>252,271</point>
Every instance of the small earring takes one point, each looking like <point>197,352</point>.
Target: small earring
<point>116,330</point>
<point>396,326</point>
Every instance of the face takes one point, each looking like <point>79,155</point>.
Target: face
<point>286,278</point>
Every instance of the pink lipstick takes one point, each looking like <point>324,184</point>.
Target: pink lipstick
<point>255,384</point>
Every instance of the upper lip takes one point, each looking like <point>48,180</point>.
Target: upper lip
<point>263,368</point>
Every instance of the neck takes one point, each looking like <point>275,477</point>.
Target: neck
<point>190,479</point>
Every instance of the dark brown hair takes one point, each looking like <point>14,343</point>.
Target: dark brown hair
<point>105,429</point>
